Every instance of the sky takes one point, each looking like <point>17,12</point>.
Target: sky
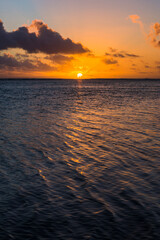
<point>97,38</point>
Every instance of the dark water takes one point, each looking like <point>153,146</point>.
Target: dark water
<point>79,160</point>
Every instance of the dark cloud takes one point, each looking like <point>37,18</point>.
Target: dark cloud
<point>110,61</point>
<point>157,65</point>
<point>131,55</point>
<point>112,49</point>
<point>10,63</point>
<point>115,53</point>
<point>91,55</point>
<point>147,66</point>
<point>143,72</point>
<point>120,54</point>
<point>59,59</point>
<point>38,37</point>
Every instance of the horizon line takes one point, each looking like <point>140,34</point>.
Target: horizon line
<point>39,78</point>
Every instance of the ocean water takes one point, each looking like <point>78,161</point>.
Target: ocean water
<point>79,159</point>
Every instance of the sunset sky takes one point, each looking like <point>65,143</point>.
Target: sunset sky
<point>98,38</point>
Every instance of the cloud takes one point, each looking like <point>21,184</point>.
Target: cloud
<point>132,55</point>
<point>118,55</point>
<point>121,54</point>
<point>155,34</point>
<point>147,66</point>
<point>157,65</point>
<point>91,55</point>
<point>112,49</point>
<point>110,61</point>
<point>136,19</point>
<point>115,54</point>
<point>19,55</point>
<point>10,63</point>
<point>38,37</point>
<point>59,59</point>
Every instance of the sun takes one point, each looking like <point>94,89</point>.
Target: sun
<point>79,75</point>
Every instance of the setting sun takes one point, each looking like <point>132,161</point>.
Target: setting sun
<point>79,75</point>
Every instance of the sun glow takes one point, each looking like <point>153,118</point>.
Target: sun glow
<point>79,75</point>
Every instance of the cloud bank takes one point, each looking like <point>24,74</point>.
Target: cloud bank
<point>38,37</point>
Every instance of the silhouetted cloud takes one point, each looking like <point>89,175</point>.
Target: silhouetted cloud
<point>91,55</point>
<point>120,54</point>
<point>110,61</point>
<point>155,34</point>
<point>38,37</point>
<point>9,62</point>
<point>132,55</point>
<point>59,59</point>
<point>112,49</point>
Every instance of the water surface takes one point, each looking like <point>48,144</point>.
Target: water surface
<point>79,159</point>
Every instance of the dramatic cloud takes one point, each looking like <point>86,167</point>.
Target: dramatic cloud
<point>110,61</point>
<point>155,34</point>
<point>120,54</point>
<point>38,37</point>
<point>10,63</point>
<point>59,59</point>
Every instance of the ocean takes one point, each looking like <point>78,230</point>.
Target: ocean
<point>79,159</point>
